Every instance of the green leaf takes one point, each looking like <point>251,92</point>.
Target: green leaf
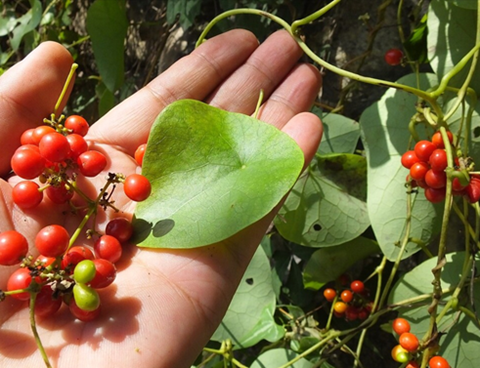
<point>451,35</point>
<point>467,4</point>
<point>213,173</point>
<point>106,99</point>
<point>7,21</point>
<point>461,343</point>
<point>278,357</point>
<point>327,205</point>
<point>340,134</point>
<point>385,135</point>
<point>107,26</point>
<point>249,318</point>
<point>416,44</point>
<point>26,23</point>
<point>327,264</point>
<point>186,9</point>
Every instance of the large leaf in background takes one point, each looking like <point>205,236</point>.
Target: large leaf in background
<point>107,26</point>
<point>385,135</point>
<point>467,4</point>
<point>26,23</point>
<point>340,134</point>
<point>249,318</point>
<point>451,35</point>
<point>327,264</point>
<point>461,344</point>
<point>327,205</point>
<point>188,10</point>
<point>213,173</point>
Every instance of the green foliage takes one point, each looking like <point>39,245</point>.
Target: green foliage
<point>385,135</point>
<point>107,25</point>
<point>250,315</point>
<point>330,194</point>
<point>200,159</point>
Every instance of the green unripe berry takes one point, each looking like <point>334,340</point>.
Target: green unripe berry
<point>84,271</point>
<point>86,298</point>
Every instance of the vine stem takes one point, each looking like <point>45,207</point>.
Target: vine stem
<point>294,33</point>
<point>33,326</point>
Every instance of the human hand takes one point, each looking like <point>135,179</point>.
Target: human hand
<point>164,304</point>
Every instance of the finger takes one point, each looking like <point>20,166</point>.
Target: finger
<point>264,69</point>
<point>295,94</point>
<point>195,76</point>
<point>28,93</point>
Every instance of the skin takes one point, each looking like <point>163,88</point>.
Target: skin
<point>164,304</point>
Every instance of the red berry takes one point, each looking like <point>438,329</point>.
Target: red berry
<point>363,314</point>
<point>137,187</point>
<point>418,171</point>
<point>424,149</point>
<point>52,240</point>
<point>75,255</point>
<point>435,195</point>
<point>105,273</point>
<point>82,315</point>
<point>120,228</point>
<point>409,341</point>
<point>438,160</point>
<point>27,137</point>
<point>437,139</point>
<point>357,286</point>
<point>77,125</point>
<point>13,247</point>
<point>19,280</point>
<point>46,304</point>
<point>351,313</point>
<point>54,147</point>
<point>409,158</point>
<point>78,145</point>
<point>346,296</point>
<point>27,162</point>
<point>26,195</point>
<point>44,260</point>
<point>59,194</point>
<point>40,131</point>
<point>438,362</point>
<point>412,364</point>
<point>108,247</point>
<point>436,179</point>
<point>394,57</point>
<point>329,294</point>
<point>400,326</point>
<point>472,190</point>
<point>140,153</point>
<point>91,163</point>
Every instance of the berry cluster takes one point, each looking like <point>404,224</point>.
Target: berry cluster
<point>51,159</point>
<point>352,304</point>
<point>408,346</point>
<point>427,163</point>
<point>56,154</point>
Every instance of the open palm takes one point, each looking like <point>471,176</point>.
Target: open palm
<point>164,304</point>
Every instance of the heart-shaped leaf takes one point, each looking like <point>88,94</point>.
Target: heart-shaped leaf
<point>213,173</point>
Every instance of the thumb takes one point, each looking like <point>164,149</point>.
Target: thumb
<point>28,93</point>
